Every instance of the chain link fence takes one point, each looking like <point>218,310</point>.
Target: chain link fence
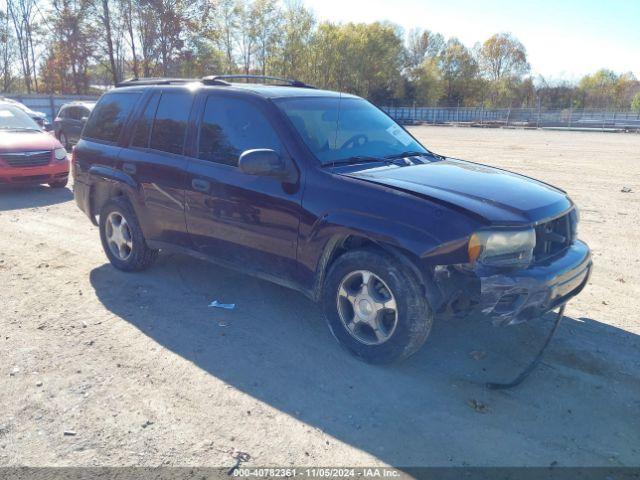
<point>48,104</point>
<point>582,119</point>
<point>604,120</point>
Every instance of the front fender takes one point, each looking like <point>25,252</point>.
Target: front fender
<point>324,238</point>
<point>377,229</point>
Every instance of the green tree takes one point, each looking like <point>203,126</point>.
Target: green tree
<point>502,60</point>
<point>598,89</point>
<point>428,83</point>
<point>635,103</point>
<point>459,74</point>
<point>365,59</point>
<point>503,56</point>
<point>292,56</point>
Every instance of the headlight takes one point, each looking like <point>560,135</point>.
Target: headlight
<point>60,154</point>
<point>502,248</point>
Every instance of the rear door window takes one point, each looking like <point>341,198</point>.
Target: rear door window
<point>143,128</point>
<point>229,127</point>
<point>109,116</point>
<point>170,123</point>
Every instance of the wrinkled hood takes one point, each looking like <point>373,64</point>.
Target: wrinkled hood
<point>498,196</point>
<point>16,141</point>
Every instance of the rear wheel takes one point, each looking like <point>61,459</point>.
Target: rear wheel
<point>375,306</point>
<point>122,238</point>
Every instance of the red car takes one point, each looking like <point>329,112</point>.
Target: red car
<point>29,155</point>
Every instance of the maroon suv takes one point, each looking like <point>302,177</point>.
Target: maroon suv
<point>323,192</point>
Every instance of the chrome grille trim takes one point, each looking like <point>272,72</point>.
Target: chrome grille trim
<point>27,159</point>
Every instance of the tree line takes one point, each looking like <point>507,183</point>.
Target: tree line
<point>83,46</point>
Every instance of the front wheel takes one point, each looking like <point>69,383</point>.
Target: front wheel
<point>64,140</point>
<point>59,183</point>
<point>122,238</point>
<point>375,306</point>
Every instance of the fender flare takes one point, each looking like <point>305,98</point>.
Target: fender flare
<point>377,231</point>
<point>104,181</point>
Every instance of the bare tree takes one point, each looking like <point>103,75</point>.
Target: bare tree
<point>246,36</point>
<point>422,45</point>
<point>23,16</point>
<point>228,24</point>
<point>268,27</point>
<point>6,51</point>
<point>127,16</point>
<point>105,18</point>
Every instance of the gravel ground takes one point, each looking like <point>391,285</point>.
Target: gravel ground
<point>105,368</point>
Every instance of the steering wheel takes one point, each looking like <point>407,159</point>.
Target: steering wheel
<point>358,140</point>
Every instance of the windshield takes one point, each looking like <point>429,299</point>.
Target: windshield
<point>13,118</point>
<point>337,129</point>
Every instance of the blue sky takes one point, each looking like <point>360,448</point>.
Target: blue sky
<point>565,39</point>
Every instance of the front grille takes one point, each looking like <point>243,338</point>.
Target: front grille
<point>554,236</point>
<point>27,159</point>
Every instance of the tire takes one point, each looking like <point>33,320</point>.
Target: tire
<point>137,255</point>
<point>64,140</point>
<point>59,183</point>
<point>413,316</point>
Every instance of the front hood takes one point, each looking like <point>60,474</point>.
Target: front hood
<point>13,142</point>
<point>498,196</point>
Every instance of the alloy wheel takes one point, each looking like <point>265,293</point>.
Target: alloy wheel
<point>367,307</point>
<point>119,236</point>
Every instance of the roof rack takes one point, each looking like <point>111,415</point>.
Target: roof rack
<point>153,81</point>
<point>220,80</point>
<point>210,80</point>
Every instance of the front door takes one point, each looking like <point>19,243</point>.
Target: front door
<point>246,220</point>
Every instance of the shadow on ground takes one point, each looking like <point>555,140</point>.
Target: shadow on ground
<point>579,407</point>
<point>19,197</point>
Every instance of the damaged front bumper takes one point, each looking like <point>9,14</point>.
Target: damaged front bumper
<point>514,296</point>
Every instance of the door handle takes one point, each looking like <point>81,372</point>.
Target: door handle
<point>129,168</point>
<point>201,185</point>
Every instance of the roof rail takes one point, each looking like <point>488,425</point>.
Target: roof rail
<point>220,80</point>
<point>152,81</point>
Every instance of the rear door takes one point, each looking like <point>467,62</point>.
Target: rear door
<point>247,220</point>
<point>156,160</point>
<point>73,123</point>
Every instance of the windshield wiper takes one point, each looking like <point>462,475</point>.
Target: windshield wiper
<point>411,153</point>
<point>357,159</point>
<point>415,153</point>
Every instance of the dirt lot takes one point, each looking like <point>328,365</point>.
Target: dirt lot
<point>139,371</point>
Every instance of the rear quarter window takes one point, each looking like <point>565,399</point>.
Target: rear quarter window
<point>109,116</point>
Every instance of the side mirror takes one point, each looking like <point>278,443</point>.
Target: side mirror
<point>84,119</point>
<point>263,162</point>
